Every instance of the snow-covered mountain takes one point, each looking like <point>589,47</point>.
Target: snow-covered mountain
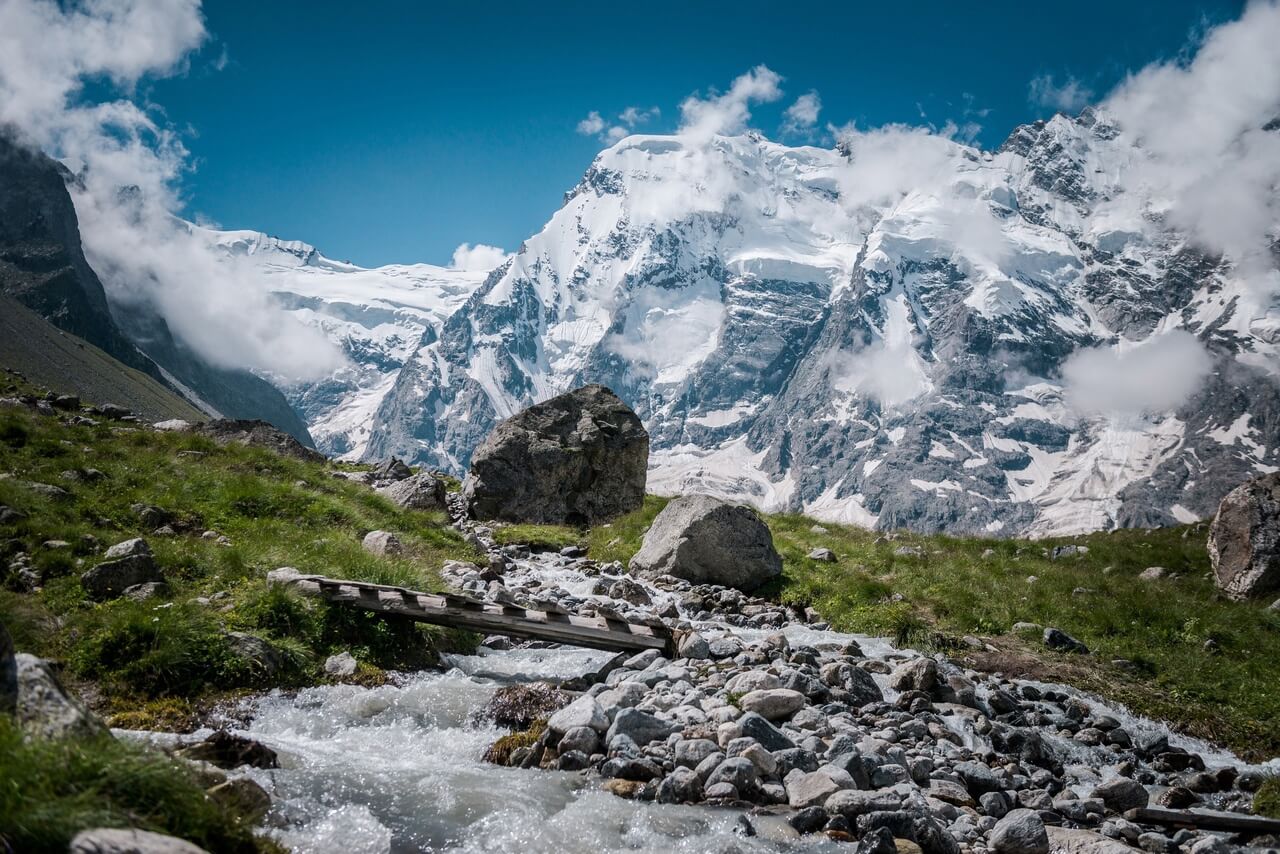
<point>795,334</point>
<point>378,317</point>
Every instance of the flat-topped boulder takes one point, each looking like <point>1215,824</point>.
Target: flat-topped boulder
<point>1244,539</point>
<point>576,459</point>
<point>705,540</point>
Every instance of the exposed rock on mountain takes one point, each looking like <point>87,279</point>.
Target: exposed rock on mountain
<point>792,339</point>
<point>705,540</point>
<point>1244,539</point>
<point>578,459</point>
<point>43,266</point>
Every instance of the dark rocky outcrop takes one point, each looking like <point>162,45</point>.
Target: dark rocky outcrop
<point>577,459</point>
<point>703,539</point>
<point>1244,539</point>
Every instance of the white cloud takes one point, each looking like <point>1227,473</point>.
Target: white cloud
<point>728,113</point>
<point>129,164</point>
<point>478,257</point>
<point>1156,375</point>
<point>1213,170</point>
<point>803,114</point>
<point>609,133</point>
<point>591,125</point>
<point>888,162</point>
<point>1071,96</point>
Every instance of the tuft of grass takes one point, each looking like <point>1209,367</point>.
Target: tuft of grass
<point>540,537</point>
<point>499,753</point>
<point>620,539</point>
<point>1266,801</point>
<point>52,789</point>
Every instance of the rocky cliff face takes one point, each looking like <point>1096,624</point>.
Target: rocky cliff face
<point>43,265</point>
<point>791,341</point>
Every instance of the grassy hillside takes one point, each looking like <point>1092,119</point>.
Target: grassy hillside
<point>1170,648</point>
<point>173,653</point>
<point>57,359</point>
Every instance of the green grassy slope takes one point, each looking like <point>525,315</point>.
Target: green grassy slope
<point>57,359</point>
<point>172,653</point>
<point>1173,648</point>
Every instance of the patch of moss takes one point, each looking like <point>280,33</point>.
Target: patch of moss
<point>167,714</point>
<point>1266,801</point>
<point>540,537</point>
<point>499,753</point>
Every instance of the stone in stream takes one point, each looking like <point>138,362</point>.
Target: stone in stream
<point>1244,539</point>
<point>1021,831</point>
<point>225,750</point>
<point>517,707</point>
<point>737,772</point>
<point>340,665</point>
<point>682,786</point>
<point>576,459</point>
<point>705,540</point>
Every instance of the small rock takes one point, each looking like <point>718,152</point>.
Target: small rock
<point>824,555</point>
<point>1059,640</point>
<point>1152,573</point>
<point>104,840</point>
<point>773,704</point>
<point>340,665</point>
<point>1121,794</point>
<point>382,544</point>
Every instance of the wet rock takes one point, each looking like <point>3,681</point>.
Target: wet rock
<point>382,544</point>
<point>1121,794</point>
<point>573,760</point>
<point>127,564</point>
<point>225,750</point>
<point>631,768</point>
<point>878,840</point>
<point>918,674</point>
<point>1244,539</point>
<point>1020,832</point>
<point>576,459</point>
<point>705,540</point>
<point>126,841</point>
<point>44,707</point>
<point>423,491</point>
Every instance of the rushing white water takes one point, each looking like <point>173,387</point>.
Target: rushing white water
<point>398,769</point>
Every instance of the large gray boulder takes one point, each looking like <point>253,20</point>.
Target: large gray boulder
<point>576,459</point>
<point>705,540</point>
<point>44,707</point>
<point>1244,539</point>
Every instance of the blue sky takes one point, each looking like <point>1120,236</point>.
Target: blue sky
<point>391,132</point>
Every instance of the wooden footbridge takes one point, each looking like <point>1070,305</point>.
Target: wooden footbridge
<point>548,622</point>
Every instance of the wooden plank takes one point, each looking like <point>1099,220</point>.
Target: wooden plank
<point>1206,819</point>
<point>489,618</point>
